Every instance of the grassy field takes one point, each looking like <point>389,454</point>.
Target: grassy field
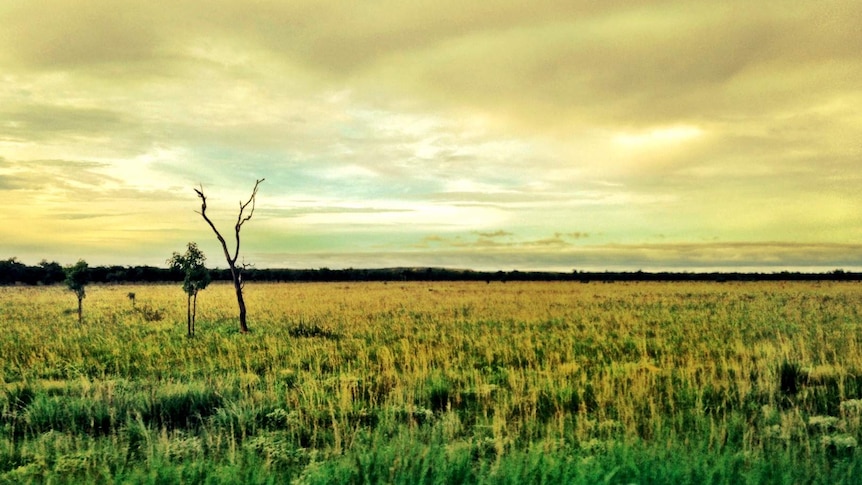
<point>435,383</point>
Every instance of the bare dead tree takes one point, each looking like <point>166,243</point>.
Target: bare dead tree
<point>235,271</point>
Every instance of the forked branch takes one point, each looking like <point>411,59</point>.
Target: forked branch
<point>240,220</point>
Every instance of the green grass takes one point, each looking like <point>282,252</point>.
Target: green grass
<point>435,383</point>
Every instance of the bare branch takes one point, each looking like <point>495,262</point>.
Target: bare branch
<point>241,270</point>
<point>251,200</point>
<point>203,213</point>
<point>240,220</point>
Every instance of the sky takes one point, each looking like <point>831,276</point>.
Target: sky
<point>489,135</point>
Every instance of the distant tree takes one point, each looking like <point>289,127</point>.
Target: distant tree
<point>12,271</point>
<point>51,272</point>
<point>196,278</point>
<point>235,272</point>
<point>77,277</point>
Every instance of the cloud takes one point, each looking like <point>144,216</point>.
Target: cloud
<point>67,34</point>
<point>494,234</point>
<point>498,239</point>
<point>644,65</point>
<point>62,206</point>
<point>35,175</point>
<point>44,122</point>
<point>728,257</point>
<point>543,127</point>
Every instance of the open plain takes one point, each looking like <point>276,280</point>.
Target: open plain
<point>438,382</point>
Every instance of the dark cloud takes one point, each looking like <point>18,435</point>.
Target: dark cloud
<point>494,234</point>
<point>80,182</point>
<point>59,174</point>
<point>40,123</point>
<point>72,216</point>
<point>13,182</point>
<point>319,209</point>
<point>72,35</point>
<point>500,239</point>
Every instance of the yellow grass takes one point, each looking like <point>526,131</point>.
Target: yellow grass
<point>501,366</point>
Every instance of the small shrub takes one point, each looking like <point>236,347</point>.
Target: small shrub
<point>439,394</point>
<point>791,378</point>
<point>306,330</point>
<point>151,314</point>
<point>839,445</point>
<point>182,406</point>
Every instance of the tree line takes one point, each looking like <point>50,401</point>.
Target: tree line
<point>14,272</point>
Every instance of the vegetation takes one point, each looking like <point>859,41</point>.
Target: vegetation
<point>77,278</point>
<point>14,272</point>
<point>437,383</point>
<point>196,277</point>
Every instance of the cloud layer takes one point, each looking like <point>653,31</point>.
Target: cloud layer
<point>515,134</point>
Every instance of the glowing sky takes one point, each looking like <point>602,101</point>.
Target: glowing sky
<point>525,135</point>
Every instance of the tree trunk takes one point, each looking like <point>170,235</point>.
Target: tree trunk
<point>80,310</point>
<point>194,310</point>
<point>237,284</point>
<point>189,315</point>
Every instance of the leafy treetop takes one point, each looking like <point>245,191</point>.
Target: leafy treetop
<point>192,265</point>
<point>77,277</point>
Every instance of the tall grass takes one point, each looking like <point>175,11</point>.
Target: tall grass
<point>435,383</point>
